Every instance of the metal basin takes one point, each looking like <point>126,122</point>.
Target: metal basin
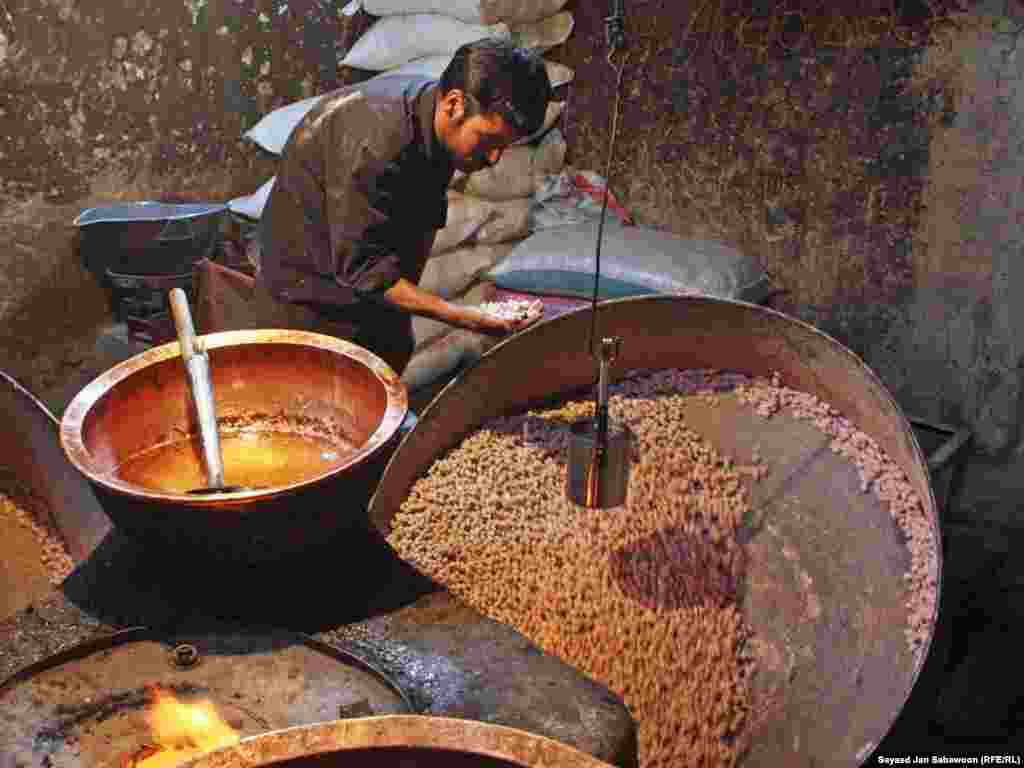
<point>410,741</point>
<point>831,681</point>
<point>308,420</point>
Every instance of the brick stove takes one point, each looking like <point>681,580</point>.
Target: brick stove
<point>78,694</point>
<point>88,706</point>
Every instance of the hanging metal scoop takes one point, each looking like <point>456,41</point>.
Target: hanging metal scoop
<point>197,368</point>
<point>599,451</point>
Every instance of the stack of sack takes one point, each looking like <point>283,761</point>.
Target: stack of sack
<point>420,36</point>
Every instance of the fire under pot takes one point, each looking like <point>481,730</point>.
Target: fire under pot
<point>144,699</point>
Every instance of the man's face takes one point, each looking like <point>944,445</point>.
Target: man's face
<point>476,142</point>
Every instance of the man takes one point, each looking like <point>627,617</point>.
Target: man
<point>361,191</point>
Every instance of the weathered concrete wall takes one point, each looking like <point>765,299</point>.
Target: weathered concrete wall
<point>129,100</point>
<point>955,350</point>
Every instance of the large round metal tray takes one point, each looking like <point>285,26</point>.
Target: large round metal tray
<point>825,591</point>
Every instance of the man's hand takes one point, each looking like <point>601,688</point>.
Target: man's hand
<point>493,325</point>
<point>415,300</point>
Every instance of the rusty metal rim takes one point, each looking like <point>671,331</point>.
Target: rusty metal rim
<point>13,384</point>
<point>391,731</point>
<point>465,379</point>
<point>397,405</point>
<point>137,634</point>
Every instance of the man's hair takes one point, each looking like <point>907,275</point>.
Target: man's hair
<point>500,78</point>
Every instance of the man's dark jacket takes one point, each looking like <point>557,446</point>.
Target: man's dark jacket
<point>360,191</point>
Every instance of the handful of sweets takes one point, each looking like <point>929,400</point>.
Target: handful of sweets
<point>513,309</point>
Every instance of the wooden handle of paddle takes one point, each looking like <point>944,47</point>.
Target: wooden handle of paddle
<point>183,322</point>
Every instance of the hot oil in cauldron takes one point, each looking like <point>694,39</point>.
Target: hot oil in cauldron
<point>258,459</point>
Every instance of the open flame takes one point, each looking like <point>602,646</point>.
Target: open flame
<point>180,731</point>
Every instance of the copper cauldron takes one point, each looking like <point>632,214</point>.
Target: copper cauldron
<point>308,420</point>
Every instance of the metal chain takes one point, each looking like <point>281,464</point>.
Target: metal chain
<point>607,191</point>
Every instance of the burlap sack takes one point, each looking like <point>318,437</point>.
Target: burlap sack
<point>434,66</point>
<point>451,273</point>
<point>464,10</point>
<point>520,170</point>
<point>551,116</point>
<point>545,34</point>
<point>396,40</point>
<point>518,11</point>
<point>471,11</point>
<point>443,355</point>
<point>472,220</point>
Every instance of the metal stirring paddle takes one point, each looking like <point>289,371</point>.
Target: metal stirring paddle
<point>197,368</point>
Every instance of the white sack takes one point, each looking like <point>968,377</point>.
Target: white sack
<point>451,273</point>
<point>444,355</point>
<point>486,222</point>
<point>434,66</point>
<point>251,206</point>
<point>396,40</point>
<point>464,10</point>
<point>520,170</point>
<point>544,34</point>
<point>273,130</point>
<point>471,11</point>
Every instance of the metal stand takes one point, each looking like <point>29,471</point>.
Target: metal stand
<point>597,475</point>
<point>945,462</point>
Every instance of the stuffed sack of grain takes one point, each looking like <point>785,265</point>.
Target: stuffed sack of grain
<point>472,220</point>
<point>449,274</point>
<point>469,11</point>
<point>519,171</point>
<point>433,66</point>
<point>393,41</point>
<point>636,260</point>
<point>396,40</point>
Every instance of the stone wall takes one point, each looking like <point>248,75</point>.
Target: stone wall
<point>129,100</point>
<point>955,349</point>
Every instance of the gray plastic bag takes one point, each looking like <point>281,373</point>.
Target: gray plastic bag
<point>634,261</point>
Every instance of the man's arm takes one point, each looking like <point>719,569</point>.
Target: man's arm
<point>413,299</point>
<point>367,253</point>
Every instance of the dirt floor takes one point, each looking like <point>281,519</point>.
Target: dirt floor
<point>23,578</point>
